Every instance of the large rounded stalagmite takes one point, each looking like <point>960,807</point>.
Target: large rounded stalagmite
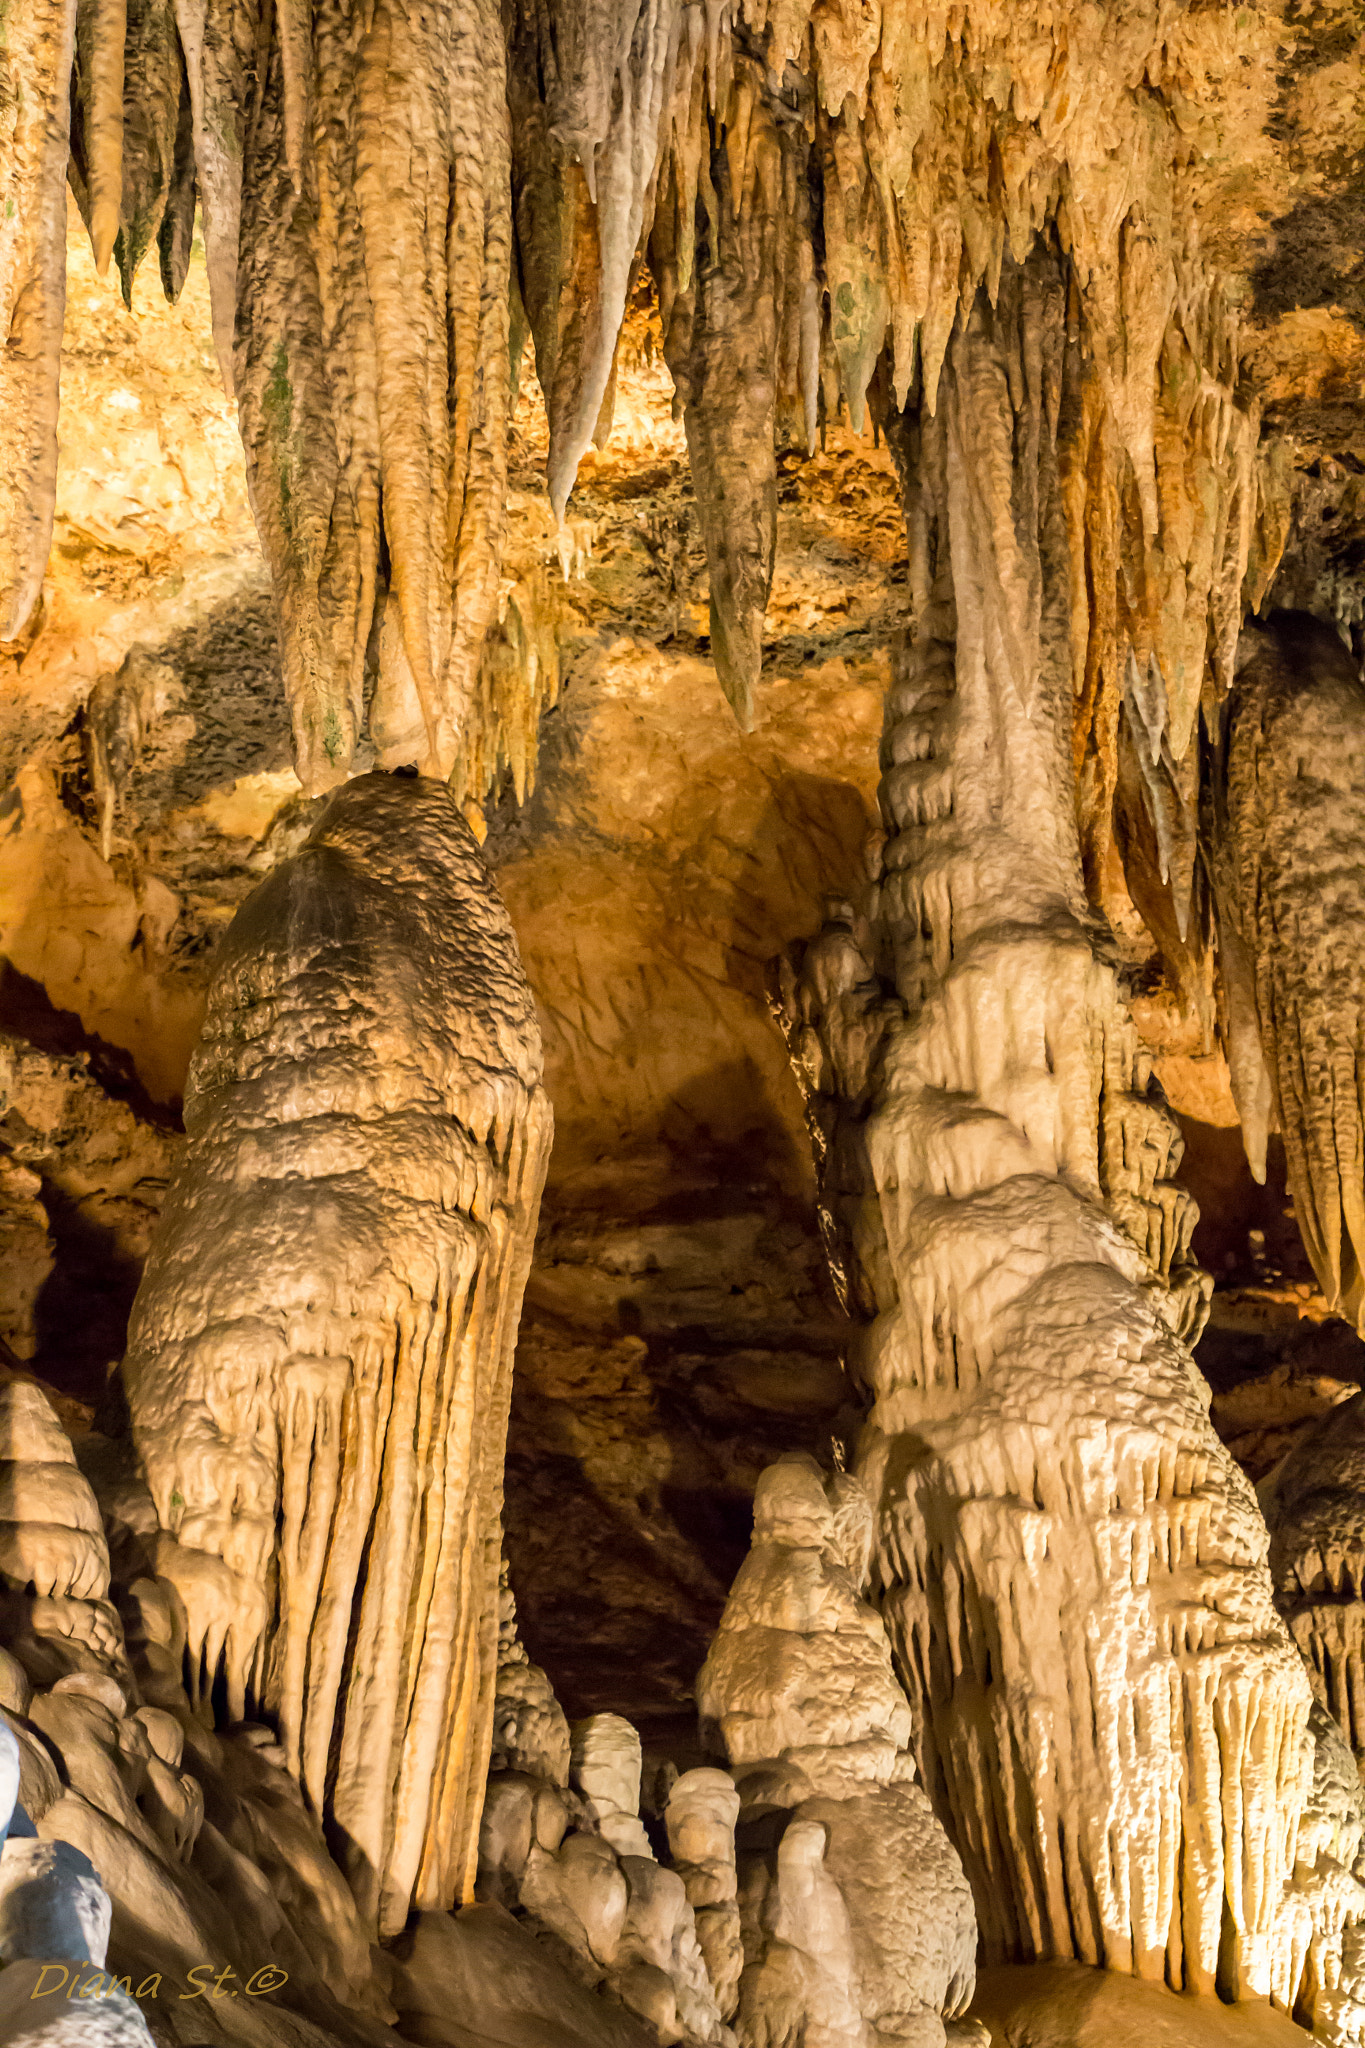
<point>320,1354</point>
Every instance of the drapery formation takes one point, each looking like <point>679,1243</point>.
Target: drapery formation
<point>1112,1719</point>
<point>320,1354</point>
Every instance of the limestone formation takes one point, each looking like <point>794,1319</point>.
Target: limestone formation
<point>580,1865</point>
<point>814,197</point>
<point>530,1733</point>
<point>1110,1717</point>
<point>55,1914</point>
<point>606,1770</point>
<point>319,1356</point>
<point>36,69</point>
<point>859,1926</point>
<point>823,208</point>
<point>702,1810</point>
<point>1291,831</point>
<point>165,1842</point>
<point>1314,1504</point>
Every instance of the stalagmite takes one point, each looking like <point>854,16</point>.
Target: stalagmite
<point>1109,1714</point>
<point>703,1807</point>
<point>580,1864</point>
<point>1290,855</point>
<point>51,1535</point>
<point>858,1922</point>
<point>606,1770</point>
<point>319,1357</point>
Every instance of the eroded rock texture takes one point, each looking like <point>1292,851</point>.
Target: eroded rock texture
<point>320,1355</point>
<point>1109,1714</point>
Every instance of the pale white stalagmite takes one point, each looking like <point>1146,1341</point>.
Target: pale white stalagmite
<point>1110,1715</point>
<point>51,1536</point>
<point>606,1770</point>
<point>858,1923</point>
<point>703,1807</point>
<point>320,1353</point>
<point>580,1862</point>
<point>1290,869</point>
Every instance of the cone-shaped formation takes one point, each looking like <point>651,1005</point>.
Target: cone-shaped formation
<point>857,1920</point>
<point>1290,868</point>
<point>320,1353</point>
<point>371,362</point>
<point>1111,1716</point>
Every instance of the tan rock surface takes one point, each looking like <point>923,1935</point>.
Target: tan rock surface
<point>1067,2006</point>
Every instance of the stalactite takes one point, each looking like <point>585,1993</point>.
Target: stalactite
<point>35,68</point>
<point>320,1353</point>
<point>518,681</point>
<point>101,26</point>
<point>218,38</point>
<point>373,369</point>
<point>132,167</point>
<point>1288,837</point>
<point>872,174</point>
<point>354,171</point>
<point>720,343</point>
<point>934,144</point>
<point>1124,1789</point>
<point>589,87</point>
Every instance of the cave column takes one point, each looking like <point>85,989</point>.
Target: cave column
<point>1110,1717</point>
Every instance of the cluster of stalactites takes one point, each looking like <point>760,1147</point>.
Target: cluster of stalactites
<point>351,166</point>
<point>820,196</point>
